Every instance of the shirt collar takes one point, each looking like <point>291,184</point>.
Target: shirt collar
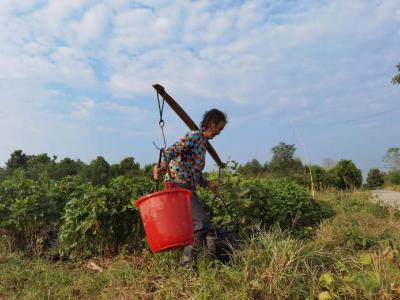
<point>201,130</point>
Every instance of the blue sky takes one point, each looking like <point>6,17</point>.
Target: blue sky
<point>76,76</point>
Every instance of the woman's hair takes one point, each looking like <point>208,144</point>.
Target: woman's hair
<point>213,116</point>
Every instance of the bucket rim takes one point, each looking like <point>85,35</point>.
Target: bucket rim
<point>138,201</point>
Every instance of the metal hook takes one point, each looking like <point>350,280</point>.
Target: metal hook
<point>158,148</point>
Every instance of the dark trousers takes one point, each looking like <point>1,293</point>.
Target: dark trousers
<point>201,225</point>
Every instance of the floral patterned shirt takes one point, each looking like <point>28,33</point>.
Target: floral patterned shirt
<point>187,159</point>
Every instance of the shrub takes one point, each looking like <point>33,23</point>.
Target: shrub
<point>265,201</point>
<point>25,206</point>
<point>33,208</point>
<point>393,177</point>
<point>319,177</point>
<point>103,219</point>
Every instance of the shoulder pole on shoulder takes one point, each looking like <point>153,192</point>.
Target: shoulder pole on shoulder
<point>186,119</point>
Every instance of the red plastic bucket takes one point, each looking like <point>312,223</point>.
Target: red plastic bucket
<point>167,218</point>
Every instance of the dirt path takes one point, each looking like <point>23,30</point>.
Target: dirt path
<point>386,197</point>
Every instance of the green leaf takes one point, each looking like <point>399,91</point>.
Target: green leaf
<point>326,279</point>
<point>341,267</point>
<point>86,225</point>
<point>365,259</point>
<point>324,296</point>
<point>367,282</point>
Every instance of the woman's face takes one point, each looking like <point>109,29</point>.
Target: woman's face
<point>214,129</point>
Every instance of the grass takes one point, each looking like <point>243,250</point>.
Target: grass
<point>353,255</point>
<point>393,187</point>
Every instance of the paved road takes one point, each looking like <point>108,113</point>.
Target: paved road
<point>386,197</point>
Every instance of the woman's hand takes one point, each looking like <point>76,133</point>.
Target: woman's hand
<point>158,171</point>
<point>214,187</point>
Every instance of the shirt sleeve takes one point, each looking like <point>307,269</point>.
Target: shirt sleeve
<point>181,146</point>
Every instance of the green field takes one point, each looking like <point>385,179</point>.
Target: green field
<point>352,255</point>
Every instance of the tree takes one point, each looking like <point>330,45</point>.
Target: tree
<point>97,172</point>
<point>375,178</point>
<point>128,164</point>
<point>283,163</point>
<point>349,175</point>
<point>41,159</point>
<point>251,168</point>
<point>393,177</point>
<point>67,167</point>
<point>396,78</point>
<point>125,167</point>
<point>319,176</point>
<point>39,164</point>
<point>148,169</point>
<point>17,160</point>
<point>392,159</point>
<point>332,177</point>
<point>3,173</point>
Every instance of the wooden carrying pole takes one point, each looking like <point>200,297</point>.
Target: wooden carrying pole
<point>185,118</point>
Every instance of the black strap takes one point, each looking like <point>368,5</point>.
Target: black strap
<point>159,164</point>
<point>162,152</point>
<point>161,109</point>
<point>161,123</point>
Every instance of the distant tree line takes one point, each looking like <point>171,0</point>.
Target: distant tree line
<point>97,172</point>
<point>342,175</point>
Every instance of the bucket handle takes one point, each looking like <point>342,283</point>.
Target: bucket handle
<point>159,164</point>
<point>168,183</point>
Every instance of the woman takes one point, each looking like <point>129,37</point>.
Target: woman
<point>186,161</point>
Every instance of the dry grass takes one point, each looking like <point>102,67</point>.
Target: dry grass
<point>395,188</point>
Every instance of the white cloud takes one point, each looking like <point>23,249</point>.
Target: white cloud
<point>296,60</point>
<point>136,29</point>
<point>131,113</point>
<point>90,27</point>
<point>55,93</point>
<point>24,67</point>
<point>388,10</point>
<point>8,7</point>
<point>204,45</point>
<point>71,66</point>
<point>51,19</point>
<point>84,108</point>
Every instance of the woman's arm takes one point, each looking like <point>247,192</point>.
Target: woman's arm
<point>159,171</point>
